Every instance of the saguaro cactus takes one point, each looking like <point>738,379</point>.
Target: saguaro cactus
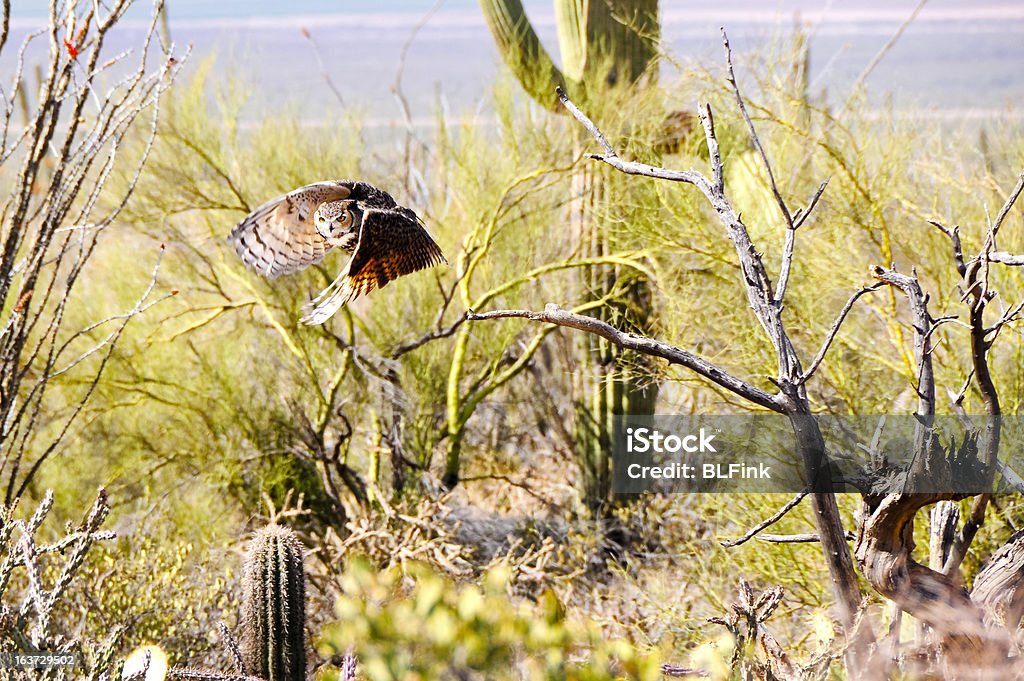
<point>603,44</point>
<point>274,606</point>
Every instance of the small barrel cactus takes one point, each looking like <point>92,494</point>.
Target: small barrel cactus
<point>274,606</point>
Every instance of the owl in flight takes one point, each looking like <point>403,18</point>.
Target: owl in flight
<point>294,231</point>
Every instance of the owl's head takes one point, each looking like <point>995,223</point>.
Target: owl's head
<point>335,219</point>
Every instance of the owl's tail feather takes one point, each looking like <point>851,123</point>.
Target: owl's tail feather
<point>330,300</point>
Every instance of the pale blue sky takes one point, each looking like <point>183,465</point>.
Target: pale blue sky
<point>958,55</point>
<point>193,9</point>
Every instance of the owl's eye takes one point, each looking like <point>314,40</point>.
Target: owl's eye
<point>320,219</point>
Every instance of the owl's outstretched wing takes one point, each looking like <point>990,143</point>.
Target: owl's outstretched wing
<point>391,243</point>
<point>279,237</point>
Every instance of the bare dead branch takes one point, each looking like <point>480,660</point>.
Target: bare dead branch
<point>553,314</point>
<point>755,140</point>
<point>834,330</point>
<point>1004,258</point>
<point>444,332</point>
<point>526,487</point>
<point>792,224</point>
<point>793,399</point>
<point>957,400</point>
<point>942,522</point>
<point>768,522</point>
<point>801,215</point>
<point>999,586</point>
<point>954,238</point>
<point>962,542</point>
<point>707,120</point>
<point>324,73</point>
<point>1010,477</point>
<point>5,22</point>
<point>976,290</point>
<point>946,319</point>
<point>922,344</point>
<point>1005,210</point>
<point>786,266</point>
<point>930,595</point>
<point>809,538</point>
<point>934,594</point>
<point>877,59</point>
<point>677,671</point>
<point>403,102</point>
<point>1008,317</point>
<point>756,280</point>
<point>585,120</point>
<point>975,275</point>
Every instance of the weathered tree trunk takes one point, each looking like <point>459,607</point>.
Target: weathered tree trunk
<point>999,587</point>
<point>811,449</point>
<point>885,547</point>
<point>936,595</point>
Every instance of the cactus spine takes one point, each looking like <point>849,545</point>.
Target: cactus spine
<point>274,606</point>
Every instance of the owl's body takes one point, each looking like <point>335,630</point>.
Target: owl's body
<point>296,230</point>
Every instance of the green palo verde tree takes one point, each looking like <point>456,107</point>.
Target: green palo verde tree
<point>605,45</point>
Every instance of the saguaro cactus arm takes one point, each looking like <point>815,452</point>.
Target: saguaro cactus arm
<point>520,47</point>
<point>607,42</point>
<point>573,24</point>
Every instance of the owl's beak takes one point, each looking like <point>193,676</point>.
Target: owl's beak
<point>345,242</point>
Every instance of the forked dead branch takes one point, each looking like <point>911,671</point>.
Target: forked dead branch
<point>884,536</point>
<point>68,145</point>
<point>791,400</point>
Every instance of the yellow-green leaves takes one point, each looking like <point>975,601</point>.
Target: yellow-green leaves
<point>421,625</point>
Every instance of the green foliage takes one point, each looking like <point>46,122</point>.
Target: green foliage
<point>608,49</point>
<point>273,621</point>
<point>160,589</point>
<point>240,393</point>
<point>279,476</point>
<point>219,396</point>
<point>223,385</point>
<point>419,625</point>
